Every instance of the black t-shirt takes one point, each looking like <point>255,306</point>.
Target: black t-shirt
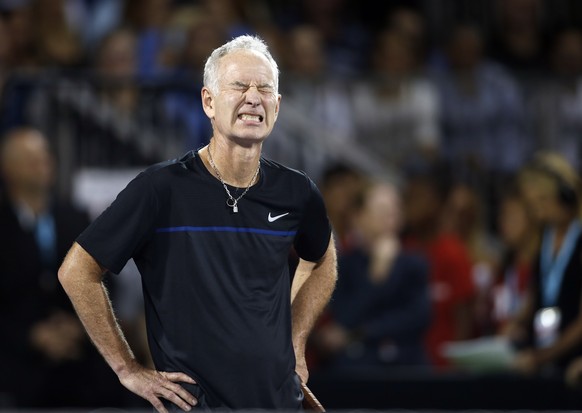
<point>216,283</point>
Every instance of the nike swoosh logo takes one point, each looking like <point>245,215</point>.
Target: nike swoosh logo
<point>276,217</point>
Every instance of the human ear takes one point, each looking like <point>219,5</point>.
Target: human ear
<point>207,102</point>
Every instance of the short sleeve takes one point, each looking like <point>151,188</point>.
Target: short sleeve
<point>314,232</point>
<point>124,227</point>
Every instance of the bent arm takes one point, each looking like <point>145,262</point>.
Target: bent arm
<point>311,290</point>
<point>81,277</point>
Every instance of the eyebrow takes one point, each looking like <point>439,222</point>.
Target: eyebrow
<point>246,85</point>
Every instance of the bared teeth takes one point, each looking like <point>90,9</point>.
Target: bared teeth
<point>255,118</point>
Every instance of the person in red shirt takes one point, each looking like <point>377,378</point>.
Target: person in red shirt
<point>451,284</point>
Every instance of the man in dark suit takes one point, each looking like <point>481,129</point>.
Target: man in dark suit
<point>42,340</point>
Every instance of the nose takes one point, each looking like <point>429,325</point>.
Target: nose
<point>253,96</point>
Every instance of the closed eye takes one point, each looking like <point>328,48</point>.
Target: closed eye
<point>243,87</point>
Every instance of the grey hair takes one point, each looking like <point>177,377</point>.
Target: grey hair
<point>244,42</point>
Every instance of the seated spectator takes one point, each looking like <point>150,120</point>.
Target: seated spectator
<point>341,185</point>
<point>517,40</point>
<point>59,46</point>
<point>113,117</point>
<point>467,216</point>
<point>548,328</point>
<point>482,110</point>
<point>148,19</point>
<point>345,38</point>
<point>47,360</point>
<point>19,62</point>
<point>318,118</point>
<point>518,233</point>
<point>396,109</point>
<point>182,103</point>
<point>380,310</point>
<point>452,290</point>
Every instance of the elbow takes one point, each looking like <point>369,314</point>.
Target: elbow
<point>78,267</point>
<point>65,275</point>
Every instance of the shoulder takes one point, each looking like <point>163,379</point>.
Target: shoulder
<point>277,168</point>
<point>169,166</point>
<point>277,174</point>
<point>161,175</point>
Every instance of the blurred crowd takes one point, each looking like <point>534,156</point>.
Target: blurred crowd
<point>450,163</point>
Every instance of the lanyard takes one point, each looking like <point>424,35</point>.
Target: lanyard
<point>553,268</point>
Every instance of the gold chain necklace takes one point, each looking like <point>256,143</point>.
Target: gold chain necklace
<point>232,202</point>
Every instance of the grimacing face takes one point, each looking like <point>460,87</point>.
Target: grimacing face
<point>246,106</point>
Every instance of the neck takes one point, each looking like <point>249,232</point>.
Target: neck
<point>236,164</point>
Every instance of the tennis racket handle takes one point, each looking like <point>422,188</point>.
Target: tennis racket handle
<point>310,402</point>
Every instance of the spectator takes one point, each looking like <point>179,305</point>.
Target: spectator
<point>20,62</point>
<point>465,215</point>
<point>518,37</point>
<point>182,103</point>
<point>47,360</point>
<point>19,21</point>
<point>482,110</point>
<point>556,104</point>
<point>409,22</point>
<point>518,233</point>
<point>452,290</point>
<point>237,17</point>
<point>149,20</point>
<point>92,20</point>
<point>121,120</point>
<point>380,310</point>
<point>59,46</point>
<point>549,325</point>
<point>396,110</point>
<point>345,39</point>
<point>319,110</point>
<point>340,186</point>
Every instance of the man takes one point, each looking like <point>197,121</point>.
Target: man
<point>211,235</point>
<point>43,346</point>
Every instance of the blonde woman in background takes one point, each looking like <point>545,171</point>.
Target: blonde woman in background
<point>549,325</point>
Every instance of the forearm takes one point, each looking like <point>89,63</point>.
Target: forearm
<point>311,295</point>
<point>81,277</point>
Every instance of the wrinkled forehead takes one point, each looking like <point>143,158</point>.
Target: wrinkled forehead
<point>246,66</point>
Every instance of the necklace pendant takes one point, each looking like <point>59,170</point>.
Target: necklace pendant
<point>233,204</point>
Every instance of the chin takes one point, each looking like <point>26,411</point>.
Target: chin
<point>248,140</point>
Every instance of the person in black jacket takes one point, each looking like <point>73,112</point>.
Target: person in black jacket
<point>42,340</point>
